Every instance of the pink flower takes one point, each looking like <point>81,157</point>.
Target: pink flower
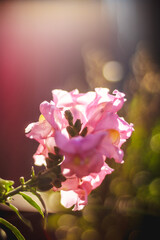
<point>39,130</point>
<point>87,130</point>
<point>75,191</point>
<point>102,116</point>
<point>81,153</point>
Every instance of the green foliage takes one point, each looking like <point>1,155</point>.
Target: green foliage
<point>7,191</point>
<point>24,220</point>
<point>15,231</point>
<point>5,187</point>
<point>32,202</point>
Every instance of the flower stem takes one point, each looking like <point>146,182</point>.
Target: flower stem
<point>25,187</point>
<point>43,181</point>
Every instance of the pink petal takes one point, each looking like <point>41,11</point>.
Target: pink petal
<point>109,121</point>
<point>78,144</point>
<point>83,165</point>
<point>110,150</point>
<point>68,198</point>
<point>62,98</point>
<point>39,130</point>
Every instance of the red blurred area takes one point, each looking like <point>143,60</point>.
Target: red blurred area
<point>40,49</point>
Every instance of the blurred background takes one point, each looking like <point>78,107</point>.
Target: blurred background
<point>46,45</point>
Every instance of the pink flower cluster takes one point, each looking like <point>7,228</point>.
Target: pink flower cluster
<point>87,130</point>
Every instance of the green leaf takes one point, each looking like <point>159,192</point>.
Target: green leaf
<point>6,185</point>
<point>44,206</point>
<point>24,220</point>
<point>15,231</point>
<point>41,200</point>
<point>32,202</point>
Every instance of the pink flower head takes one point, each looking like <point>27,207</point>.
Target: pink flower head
<point>75,191</point>
<point>87,130</point>
<point>81,153</point>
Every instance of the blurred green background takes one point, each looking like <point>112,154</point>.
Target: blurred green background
<point>127,204</point>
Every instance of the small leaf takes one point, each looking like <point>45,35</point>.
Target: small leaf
<point>32,202</point>
<point>24,220</point>
<point>41,200</point>
<point>6,185</point>
<point>44,206</point>
<point>15,231</point>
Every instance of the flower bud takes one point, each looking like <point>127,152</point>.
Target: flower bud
<point>77,125</point>
<point>44,183</point>
<point>56,149</point>
<point>69,117</point>
<point>84,132</point>
<point>22,181</point>
<point>43,188</point>
<point>49,163</point>
<point>51,155</point>
<point>71,131</point>
<point>57,170</point>
<point>57,183</point>
<point>61,178</point>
